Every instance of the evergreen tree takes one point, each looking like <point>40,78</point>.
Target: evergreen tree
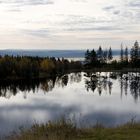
<point>110,57</point>
<point>122,54</point>
<point>132,54</point>
<point>93,56</point>
<point>100,54</point>
<point>135,53</point>
<point>105,53</point>
<point>136,48</point>
<point>126,54</point>
<point>88,56</point>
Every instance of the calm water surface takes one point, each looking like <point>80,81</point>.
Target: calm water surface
<point>109,98</point>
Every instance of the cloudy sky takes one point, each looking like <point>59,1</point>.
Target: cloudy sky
<point>68,24</point>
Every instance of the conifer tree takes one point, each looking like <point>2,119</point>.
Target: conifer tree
<point>110,57</point>
<point>100,54</point>
<point>87,56</point>
<point>122,54</point>
<point>105,53</point>
<point>93,57</point>
<point>135,53</point>
<point>126,54</point>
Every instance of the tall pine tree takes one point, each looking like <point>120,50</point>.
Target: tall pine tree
<point>122,54</point>
<point>105,53</point>
<point>126,54</point>
<point>110,57</point>
<point>135,53</point>
<point>100,54</point>
<point>88,56</point>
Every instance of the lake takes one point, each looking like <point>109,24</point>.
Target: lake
<point>108,98</point>
<point>50,53</point>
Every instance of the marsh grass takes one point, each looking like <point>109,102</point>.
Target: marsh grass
<point>66,129</point>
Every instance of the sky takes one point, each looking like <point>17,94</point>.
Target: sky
<point>68,24</point>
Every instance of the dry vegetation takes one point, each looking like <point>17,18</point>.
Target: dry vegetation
<point>67,130</point>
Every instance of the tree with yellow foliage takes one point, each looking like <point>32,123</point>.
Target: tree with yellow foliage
<point>47,65</point>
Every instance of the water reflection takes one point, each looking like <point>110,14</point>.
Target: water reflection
<point>135,86</point>
<point>104,81</point>
<point>10,88</point>
<point>130,81</point>
<point>110,98</point>
<point>100,81</point>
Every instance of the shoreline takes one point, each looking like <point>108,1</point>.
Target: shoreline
<point>49,76</point>
<point>67,130</point>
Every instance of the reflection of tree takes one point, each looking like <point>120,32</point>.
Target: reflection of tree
<point>9,88</point>
<point>62,81</point>
<point>88,74</point>
<point>100,88</point>
<point>110,87</point>
<point>135,88</point>
<point>47,86</point>
<point>99,81</point>
<point>113,75</point>
<point>25,95</point>
<point>75,77</point>
<point>105,85</point>
<point>132,81</point>
<point>91,84</point>
<point>65,79</point>
<point>126,86</point>
<point>71,78</point>
<point>126,80</point>
<point>121,86</point>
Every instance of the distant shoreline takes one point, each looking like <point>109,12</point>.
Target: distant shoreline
<point>50,53</point>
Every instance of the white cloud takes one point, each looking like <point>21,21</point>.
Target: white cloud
<point>26,2</point>
<point>60,24</point>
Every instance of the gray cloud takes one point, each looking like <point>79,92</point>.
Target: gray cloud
<point>117,12</point>
<point>112,9</point>
<point>49,33</point>
<point>107,8</point>
<point>134,3</point>
<point>82,21</point>
<point>102,28</point>
<point>43,33</point>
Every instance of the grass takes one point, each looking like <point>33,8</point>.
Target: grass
<point>68,130</point>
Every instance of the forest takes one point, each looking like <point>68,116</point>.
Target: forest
<point>104,58</point>
<point>12,67</point>
<point>15,67</point>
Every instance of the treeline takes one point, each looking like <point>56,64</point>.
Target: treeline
<point>98,58</point>
<point>34,67</point>
<point>104,58</point>
<point>134,58</point>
